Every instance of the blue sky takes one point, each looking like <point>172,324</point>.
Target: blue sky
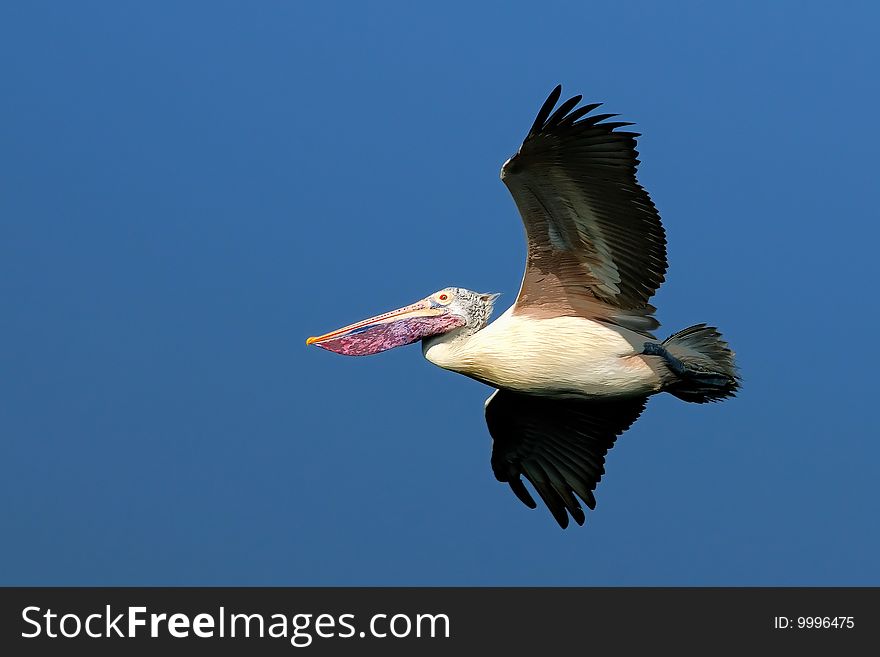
<point>191,189</point>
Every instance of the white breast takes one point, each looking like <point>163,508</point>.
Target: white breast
<point>559,355</point>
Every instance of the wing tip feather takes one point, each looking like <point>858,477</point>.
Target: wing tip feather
<point>568,115</point>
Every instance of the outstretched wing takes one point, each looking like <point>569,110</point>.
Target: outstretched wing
<point>559,445</point>
<point>596,246</point>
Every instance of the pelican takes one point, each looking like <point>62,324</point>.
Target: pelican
<point>574,359</point>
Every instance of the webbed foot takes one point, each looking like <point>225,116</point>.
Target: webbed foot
<point>681,369</point>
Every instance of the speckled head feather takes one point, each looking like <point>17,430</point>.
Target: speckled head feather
<point>475,306</point>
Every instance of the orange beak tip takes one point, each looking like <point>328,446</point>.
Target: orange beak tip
<point>311,340</point>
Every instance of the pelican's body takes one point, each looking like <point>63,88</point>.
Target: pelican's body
<point>574,359</point>
<point>556,356</point>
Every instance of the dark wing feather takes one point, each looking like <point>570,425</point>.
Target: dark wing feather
<point>596,246</point>
<point>559,445</point>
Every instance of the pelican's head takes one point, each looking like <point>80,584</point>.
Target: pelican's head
<point>450,309</point>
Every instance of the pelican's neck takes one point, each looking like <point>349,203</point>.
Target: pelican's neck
<point>447,350</point>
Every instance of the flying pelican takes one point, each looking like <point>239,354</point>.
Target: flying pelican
<point>574,360</point>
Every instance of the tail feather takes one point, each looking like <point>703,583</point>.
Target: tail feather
<point>710,373</point>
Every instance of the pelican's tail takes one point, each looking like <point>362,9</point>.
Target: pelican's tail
<point>702,363</point>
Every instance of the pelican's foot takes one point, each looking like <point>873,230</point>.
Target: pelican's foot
<point>693,372</point>
<point>674,364</point>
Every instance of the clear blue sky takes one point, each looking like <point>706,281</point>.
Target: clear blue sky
<point>188,190</point>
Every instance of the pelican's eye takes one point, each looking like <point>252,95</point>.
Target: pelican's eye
<point>443,297</point>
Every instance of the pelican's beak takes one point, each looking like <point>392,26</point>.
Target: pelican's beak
<point>392,329</point>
